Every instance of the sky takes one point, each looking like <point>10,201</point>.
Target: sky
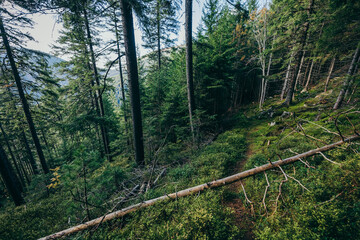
<point>46,30</point>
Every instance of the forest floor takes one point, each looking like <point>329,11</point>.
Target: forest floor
<point>242,213</point>
<point>223,213</point>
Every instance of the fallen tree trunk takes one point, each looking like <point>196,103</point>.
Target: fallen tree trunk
<point>199,188</point>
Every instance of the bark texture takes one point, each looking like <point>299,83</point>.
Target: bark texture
<point>189,62</point>
<point>347,80</point>
<point>131,61</point>
<point>292,83</point>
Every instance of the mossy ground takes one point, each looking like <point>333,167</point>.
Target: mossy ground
<point>329,210</point>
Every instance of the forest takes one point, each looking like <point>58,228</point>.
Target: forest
<point>248,129</point>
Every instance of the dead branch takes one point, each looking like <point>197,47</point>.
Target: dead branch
<point>330,200</point>
<point>306,163</point>
<point>318,125</point>
<point>196,189</point>
<point>119,203</point>
<point>278,196</point>
<point>326,158</point>
<point>298,182</point>
<point>266,189</point>
<point>248,200</point>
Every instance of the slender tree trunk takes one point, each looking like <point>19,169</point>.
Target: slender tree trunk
<point>266,81</point>
<point>47,146</point>
<point>30,155</point>
<point>346,81</point>
<point>302,80</point>
<point>9,177</point>
<point>121,79</point>
<point>23,99</point>
<point>158,32</point>
<point>26,170</point>
<point>189,63</point>
<point>330,72</point>
<point>299,72</point>
<point>309,76</point>
<point>290,92</point>
<point>21,184</point>
<point>130,50</point>
<point>287,76</point>
<point>352,79</point>
<point>104,131</point>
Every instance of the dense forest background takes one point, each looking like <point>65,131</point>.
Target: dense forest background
<point>78,140</point>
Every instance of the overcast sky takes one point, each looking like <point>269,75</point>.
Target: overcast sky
<point>46,31</point>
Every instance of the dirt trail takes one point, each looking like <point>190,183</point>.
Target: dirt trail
<point>243,215</point>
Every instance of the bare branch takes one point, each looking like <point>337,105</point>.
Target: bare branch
<point>266,189</point>
<point>247,199</point>
<point>326,158</point>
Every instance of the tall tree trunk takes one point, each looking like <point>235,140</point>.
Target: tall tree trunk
<point>287,77</point>
<point>309,76</point>
<point>27,171</point>
<point>121,79</point>
<point>189,62</point>
<point>20,184</point>
<point>130,51</point>
<point>347,80</point>
<point>9,177</point>
<point>23,99</point>
<point>158,32</point>
<point>302,81</point>
<point>352,79</point>
<point>29,153</point>
<point>266,81</point>
<point>299,72</point>
<point>330,72</point>
<point>104,131</point>
<point>290,92</point>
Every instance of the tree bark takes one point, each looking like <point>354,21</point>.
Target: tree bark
<point>121,78</point>
<point>34,167</point>
<point>287,76</point>
<point>346,81</point>
<point>196,189</point>
<point>158,32</point>
<point>23,99</point>
<point>20,184</point>
<point>352,79</point>
<point>330,72</point>
<point>266,81</point>
<point>130,51</point>
<point>309,76</point>
<point>299,72</point>
<point>10,179</point>
<point>290,92</point>
<point>189,63</point>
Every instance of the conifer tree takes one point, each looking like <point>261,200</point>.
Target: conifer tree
<point>161,24</point>
<point>133,76</point>
<point>23,99</point>
<point>189,63</point>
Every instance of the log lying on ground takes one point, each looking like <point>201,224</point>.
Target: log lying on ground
<point>199,188</point>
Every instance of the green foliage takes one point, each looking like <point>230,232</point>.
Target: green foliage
<point>35,220</point>
<point>196,217</point>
